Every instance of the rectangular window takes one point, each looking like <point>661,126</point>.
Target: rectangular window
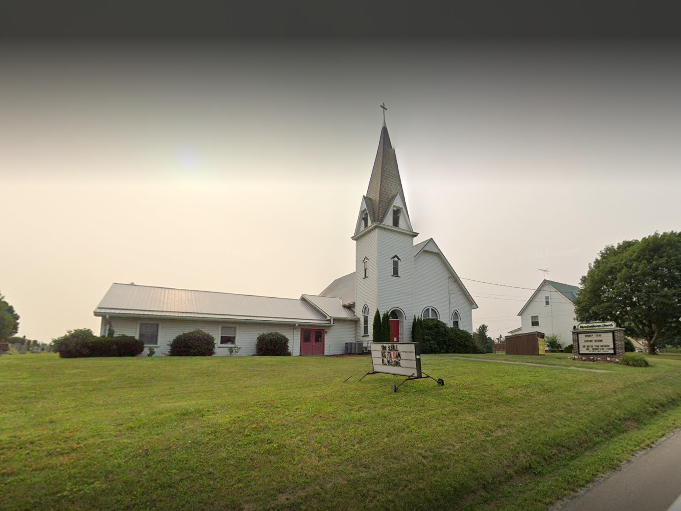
<point>535,320</point>
<point>227,335</point>
<point>396,267</point>
<point>365,220</point>
<point>366,268</point>
<point>306,336</point>
<point>547,300</point>
<point>149,334</point>
<point>396,217</point>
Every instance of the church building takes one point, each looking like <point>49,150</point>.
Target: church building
<point>391,275</point>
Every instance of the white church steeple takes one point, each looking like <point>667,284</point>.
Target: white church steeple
<point>384,202</point>
<point>384,242</point>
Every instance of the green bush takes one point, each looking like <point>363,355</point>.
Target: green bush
<point>272,344</point>
<point>126,345</point>
<point>417,330</point>
<point>671,349</point>
<point>634,360</point>
<point>568,349</point>
<point>193,344</point>
<point>553,343</point>
<point>440,338</point>
<point>376,333</point>
<point>74,344</point>
<point>83,343</point>
<point>629,346</point>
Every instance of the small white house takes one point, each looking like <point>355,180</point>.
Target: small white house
<point>551,310</point>
<point>392,276</point>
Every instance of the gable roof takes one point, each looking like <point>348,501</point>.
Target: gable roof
<point>331,306</point>
<point>568,291</point>
<point>135,300</point>
<point>430,246</point>
<point>385,182</point>
<point>343,288</point>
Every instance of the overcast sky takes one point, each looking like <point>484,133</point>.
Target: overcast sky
<point>239,167</point>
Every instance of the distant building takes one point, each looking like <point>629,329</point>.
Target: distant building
<point>550,310</point>
<point>392,275</point>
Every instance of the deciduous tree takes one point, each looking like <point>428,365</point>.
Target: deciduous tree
<point>637,284</point>
<point>9,320</point>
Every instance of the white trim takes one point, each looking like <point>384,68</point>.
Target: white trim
<point>158,332</point>
<point>235,326</point>
<point>439,252</point>
<point>458,318</point>
<point>365,318</point>
<point>430,307</point>
<point>402,321</point>
<point>383,226</point>
<point>181,316</point>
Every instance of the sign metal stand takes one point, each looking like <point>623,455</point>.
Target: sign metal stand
<point>399,359</point>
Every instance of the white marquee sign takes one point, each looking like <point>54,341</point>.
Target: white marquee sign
<point>596,343</point>
<point>596,326</point>
<point>401,358</point>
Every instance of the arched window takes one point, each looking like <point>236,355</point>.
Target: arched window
<point>430,313</point>
<point>455,319</point>
<point>365,319</point>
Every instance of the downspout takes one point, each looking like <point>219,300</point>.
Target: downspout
<point>449,301</point>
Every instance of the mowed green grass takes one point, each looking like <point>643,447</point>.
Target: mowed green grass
<point>288,433</point>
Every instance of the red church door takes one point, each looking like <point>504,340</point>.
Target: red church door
<point>394,330</point>
<point>311,341</point>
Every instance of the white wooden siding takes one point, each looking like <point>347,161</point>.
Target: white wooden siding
<point>556,318</point>
<point>396,292</point>
<point>246,333</point>
<point>433,287</point>
<point>337,335</point>
<point>365,289</point>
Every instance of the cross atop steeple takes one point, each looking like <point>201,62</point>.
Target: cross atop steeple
<point>384,109</point>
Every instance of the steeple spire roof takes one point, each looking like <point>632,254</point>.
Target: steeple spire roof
<point>385,182</point>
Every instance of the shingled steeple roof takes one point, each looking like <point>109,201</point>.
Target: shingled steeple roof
<point>385,182</point>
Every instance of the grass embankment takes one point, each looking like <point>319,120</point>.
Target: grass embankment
<point>287,433</point>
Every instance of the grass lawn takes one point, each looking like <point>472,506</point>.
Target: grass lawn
<point>252,433</point>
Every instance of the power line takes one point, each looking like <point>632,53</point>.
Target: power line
<point>494,284</point>
<point>483,297</point>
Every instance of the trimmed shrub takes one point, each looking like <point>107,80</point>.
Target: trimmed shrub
<point>83,343</point>
<point>196,343</point>
<point>629,346</point>
<point>272,344</point>
<point>385,328</point>
<point>76,343</point>
<point>462,342</point>
<point>126,345</point>
<point>440,338</point>
<point>434,334</point>
<point>376,333</point>
<point>568,349</point>
<point>417,330</point>
<point>634,360</point>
